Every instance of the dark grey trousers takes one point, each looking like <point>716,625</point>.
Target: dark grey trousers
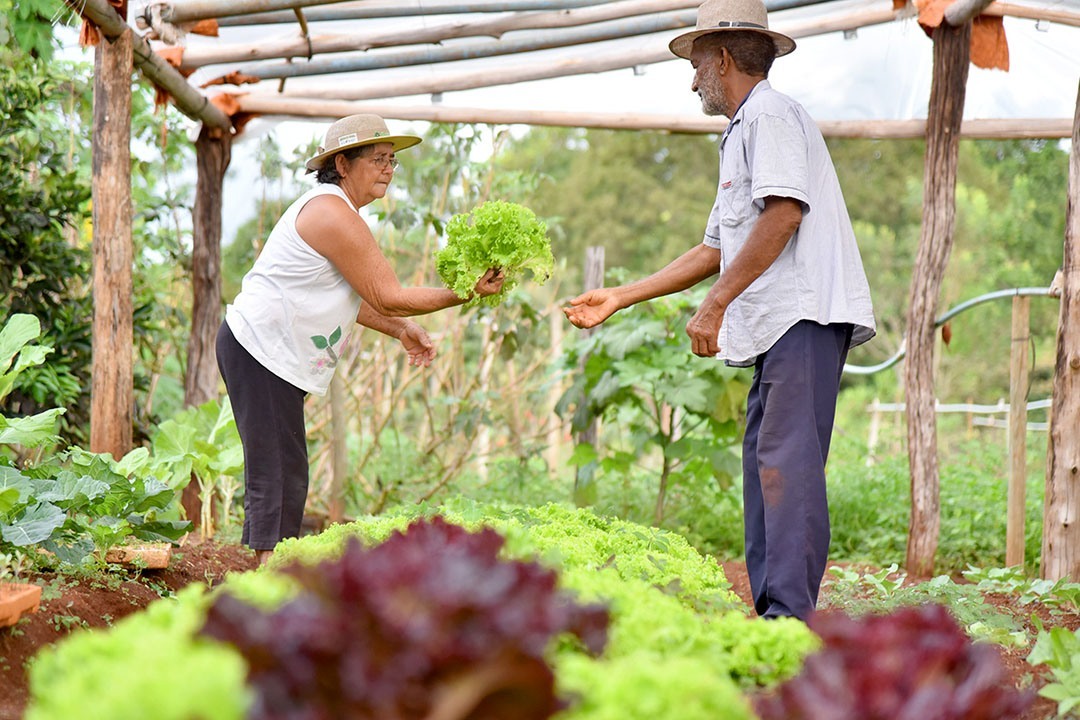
<point>269,416</point>
<point>789,420</point>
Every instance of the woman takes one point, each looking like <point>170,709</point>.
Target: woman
<point>318,273</point>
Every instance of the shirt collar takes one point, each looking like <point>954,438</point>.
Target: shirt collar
<point>737,117</point>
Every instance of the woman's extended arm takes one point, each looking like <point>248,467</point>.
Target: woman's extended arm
<point>337,233</point>
<point>414,339</point>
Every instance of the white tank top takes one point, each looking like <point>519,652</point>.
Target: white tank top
<point>295,311</point>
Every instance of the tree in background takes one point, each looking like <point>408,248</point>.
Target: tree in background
<point>643,196</point>
<point>44,201</point>
<point>45,236</point>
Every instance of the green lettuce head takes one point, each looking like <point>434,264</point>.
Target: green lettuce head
<point>497,234</point>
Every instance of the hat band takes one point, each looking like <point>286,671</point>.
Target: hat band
<point>738,24</point>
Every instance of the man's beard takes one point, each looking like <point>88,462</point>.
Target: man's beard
<point>714,103</point>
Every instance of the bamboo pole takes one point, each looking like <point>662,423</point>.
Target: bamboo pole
<point>1049,13</point>
<point>187,99</point>
<point>1019,373</point>
<point>370,9</point>
<point>650,50</point>
<point>273,105</point>
<point>247,12</point>
<point>527,42</point>
<point>1061,530</point>
<point>195,57</point>
<point>962,11</point>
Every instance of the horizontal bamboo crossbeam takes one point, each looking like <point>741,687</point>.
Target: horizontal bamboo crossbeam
<point>368,9</point>
<point>188,99</point>
<point>260,12</point>
<point>1062,15</point>
<point>296,47</point>
<point>526,42</point>
<point>651,50</point>
<point>882,129</point>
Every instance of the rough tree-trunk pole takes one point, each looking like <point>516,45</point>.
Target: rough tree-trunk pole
<point>112,385</point>
<point>1061,531</point>
<point>1019,374</point>
<point>951,54</point>
<point>584,478</point>
<point>213,150</point>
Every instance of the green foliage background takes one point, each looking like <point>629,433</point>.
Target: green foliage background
<point>643,196</point>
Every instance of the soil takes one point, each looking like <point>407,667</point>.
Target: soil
<point>68,604</point>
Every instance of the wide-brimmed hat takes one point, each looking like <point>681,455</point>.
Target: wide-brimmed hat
<point>726,15</point>
<point>356,130</point>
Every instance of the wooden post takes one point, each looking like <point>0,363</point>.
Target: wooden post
<point>584,488</point>
<point>1061,530</point>
<point>213,150</point>
<point>112,385</point>
<point>339,460</point>
<point>1019,372</point>
<point>875,429</point>
<point>951,54</point>
<point>553,453</point>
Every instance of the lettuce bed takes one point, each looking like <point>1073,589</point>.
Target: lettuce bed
<point>679,646</point>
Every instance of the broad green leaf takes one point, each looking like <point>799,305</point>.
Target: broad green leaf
<point>12,479</point>
<point>160,530</point>
<point>9,498</point>
<point>30,431</point>
<point>33,526</point>
<point>71,551</point>
<point>19,330</point>
<point>135,462</point>
<point>70,490</point>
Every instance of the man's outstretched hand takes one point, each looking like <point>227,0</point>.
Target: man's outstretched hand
<point>592,308</point>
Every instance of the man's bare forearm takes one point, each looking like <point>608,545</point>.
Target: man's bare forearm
<point>770,235</point>
<point>684,272</point>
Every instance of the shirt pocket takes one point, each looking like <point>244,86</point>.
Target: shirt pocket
<point>733,203</point>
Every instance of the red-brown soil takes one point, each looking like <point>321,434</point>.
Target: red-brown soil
<point>69,604</point>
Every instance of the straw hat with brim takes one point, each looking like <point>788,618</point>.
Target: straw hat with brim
<point>726,15</point>
<point>356,130</point>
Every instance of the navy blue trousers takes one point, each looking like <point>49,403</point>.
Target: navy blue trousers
<point>789,419</point>
<point>269,416</point>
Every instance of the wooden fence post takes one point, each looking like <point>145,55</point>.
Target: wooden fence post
<point>1018,389</point>
<point>339,457</point>
<point>584,489</point>
<point>1061,531</point>
<point>112,386</point>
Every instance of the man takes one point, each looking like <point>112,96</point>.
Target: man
<point>790,300</point>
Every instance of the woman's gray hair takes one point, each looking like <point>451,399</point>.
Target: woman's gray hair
<point>328,173</point>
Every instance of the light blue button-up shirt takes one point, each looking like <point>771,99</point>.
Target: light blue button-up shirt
<point>772,147</point>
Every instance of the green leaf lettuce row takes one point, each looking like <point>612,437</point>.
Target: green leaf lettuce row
<point>497,234</point>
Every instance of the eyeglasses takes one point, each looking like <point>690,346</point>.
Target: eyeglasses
<point>385,160</point>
